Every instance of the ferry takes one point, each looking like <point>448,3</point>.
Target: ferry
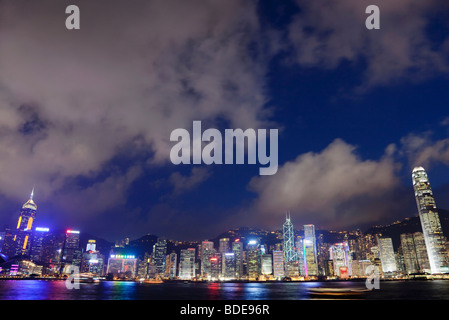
<point>338,292</point>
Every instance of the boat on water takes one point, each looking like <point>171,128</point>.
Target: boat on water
<point>152,281</point>
<point>338,292</point>
<point>89,280</point>
<point>143,280</point>
<point>85,278</point>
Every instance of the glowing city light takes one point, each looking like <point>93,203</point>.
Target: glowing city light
<point>120,256</point>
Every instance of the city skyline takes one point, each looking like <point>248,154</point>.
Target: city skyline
<point>308,256</point>
<point>30,204</point>
<point>225,155</point>
<point>423,197</point>
<point>250,256</point>
<point>86,115</point>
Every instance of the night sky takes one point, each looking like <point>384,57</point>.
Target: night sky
<point>86,115</point>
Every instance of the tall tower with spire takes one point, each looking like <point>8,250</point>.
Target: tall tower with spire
<point>430,222</point>
<point>23,234</point>
<point>289,240</point>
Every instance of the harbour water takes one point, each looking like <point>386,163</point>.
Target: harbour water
<point>127,290</point>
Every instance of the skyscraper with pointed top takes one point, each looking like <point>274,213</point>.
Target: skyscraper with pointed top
<point>22,238</point>
<point>289,240</point>
<point>430,222</point>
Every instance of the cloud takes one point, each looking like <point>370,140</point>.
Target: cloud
<point>334,188</point>
<point>182,183</point>
<point>445,122</point>
<point>71,101</point>
<point>422,150</point>
<point>328,33</point>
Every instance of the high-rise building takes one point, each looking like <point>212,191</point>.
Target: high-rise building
<point>430,222</point>
<point>341,258</point>
<point>278,264</point>
<point>53,252</point>
<point>216,265</point>
<point>360,268</point>
<point>187,264</point>
<point>229,264</point>
<point>8,248</point>
<point>159,254</point>
<point>323,254</point>
<point>300,255</point>
<point>253,260</point>
<point>310,251</point>
<point>414,252</point>
<point>38,243</point>
<point>92,262</point>
<point>223,245</point>
<point>421,252</point>
<point>289,240</point>
<point>170,265</point>
<point>365,243</point>
<point>122,266</point>
<point>207,250</point>
<point>71,253</point>
<point>386,253</point>
<point>267,264</point>
<point>91,245</point>
<point>237,249</point>
<point>22,237</point>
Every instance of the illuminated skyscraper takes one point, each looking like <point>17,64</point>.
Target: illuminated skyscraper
<point>310,251</point>
<point>267,264</point>
<point>170,265</point>
<point>38,243</point>
<point>207,250</point>
<point>300,255</point>
<point>253,260</point>
<point>229,265</point>
<point>237,249</point>
<point>122,266</point>
<point>278,264</point>
<point>415,253</point>
<point>430,222</point>
<point>71,253</point>
<point>8,247</point>
<point>386,253</point>
<point>289,240</point>
<point>224,245</point>
<point>216,265</point>
<point>23,233</point>
<point>187,264</point>
<point>341,258</point>
<point>91,245</point>
<point>159,254</point>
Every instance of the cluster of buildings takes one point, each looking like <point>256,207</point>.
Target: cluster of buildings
<point>290,254</point>
<point>30,250</point>
<point>307,254</point>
